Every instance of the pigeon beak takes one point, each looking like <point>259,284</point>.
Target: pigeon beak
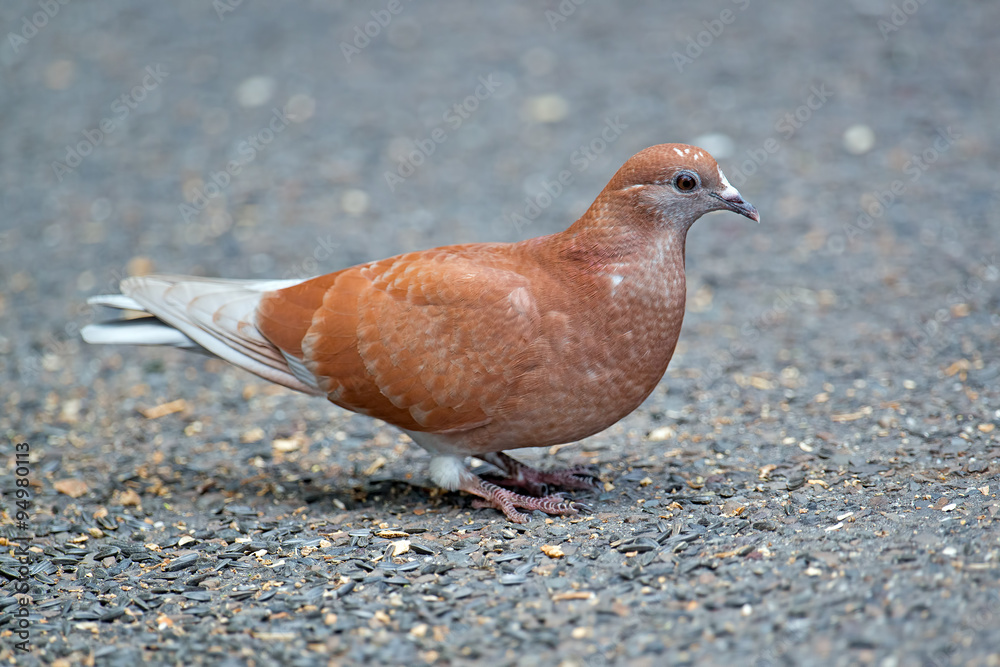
<point>734,201</point>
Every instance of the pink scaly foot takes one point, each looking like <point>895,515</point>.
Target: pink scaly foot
<point>539,482</point>
<point>507,501</point>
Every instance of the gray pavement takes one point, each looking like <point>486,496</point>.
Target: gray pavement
<point>814,483</point>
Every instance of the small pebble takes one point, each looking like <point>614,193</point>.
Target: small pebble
<point>545,108</point>
<point>859,139</point>
<point>59,74</point>
<point>255,91</point>
<point>300,108</point>
<point>354,202</point>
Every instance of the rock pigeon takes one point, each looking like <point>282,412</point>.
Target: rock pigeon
<point>471,349</point>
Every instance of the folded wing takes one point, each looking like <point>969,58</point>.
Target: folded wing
<point>431,341</point>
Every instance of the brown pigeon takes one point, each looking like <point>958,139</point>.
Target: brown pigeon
<point>471,349</point>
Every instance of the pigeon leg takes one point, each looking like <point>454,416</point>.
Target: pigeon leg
<point>539,482</point>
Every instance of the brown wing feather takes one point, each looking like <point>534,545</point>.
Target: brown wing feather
<point>413,340</point>
<point>283,316</point>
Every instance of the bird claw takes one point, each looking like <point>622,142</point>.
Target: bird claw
<point>508,502</point>
<point>498,493</point>
<point>586,478</point>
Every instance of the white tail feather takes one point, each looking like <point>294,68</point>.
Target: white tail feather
<point>144,331</point>
<point>211,313</point>
<point>119,301</point>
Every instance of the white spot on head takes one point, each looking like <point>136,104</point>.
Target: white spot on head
<point>728,192</point>
<point>678,151</point>
<point>447,471</point>
<point>686,151</point>
<point>722,177</point>
<point>700,155</point>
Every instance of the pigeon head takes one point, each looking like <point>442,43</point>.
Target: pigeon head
<point>677,184</point>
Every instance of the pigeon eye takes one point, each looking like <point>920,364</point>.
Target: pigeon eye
<point>685,181</point>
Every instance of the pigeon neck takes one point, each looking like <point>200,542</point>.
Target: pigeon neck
<point>615,230</point>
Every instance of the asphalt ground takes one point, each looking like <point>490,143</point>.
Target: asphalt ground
<point>813,483</point>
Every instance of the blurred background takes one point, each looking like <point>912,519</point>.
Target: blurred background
<point>141,137</point>
<point>287,139</point>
